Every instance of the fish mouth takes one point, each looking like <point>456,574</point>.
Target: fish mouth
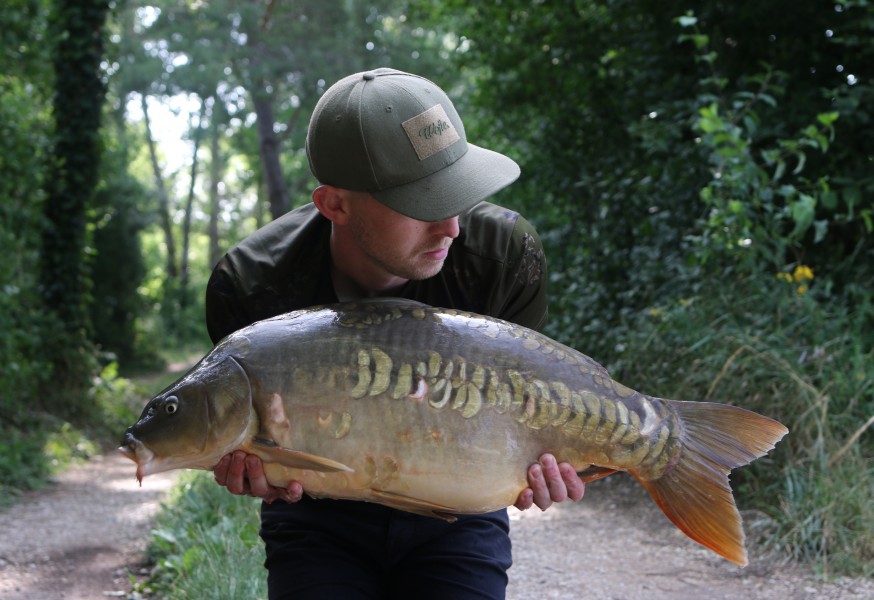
<point>135,450</point>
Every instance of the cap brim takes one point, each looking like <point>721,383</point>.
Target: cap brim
<point>455,188</point>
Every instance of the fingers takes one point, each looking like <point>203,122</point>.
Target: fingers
<point>230,473</point>
<point>222,470</point>
<point>525,499</point>
<point>243,474</point>
<point>546,483</point>
<point>575,486</point>
<point>294,492</point>
<point>236,481</point>
<point>550,482</point>
<point>254,472</point>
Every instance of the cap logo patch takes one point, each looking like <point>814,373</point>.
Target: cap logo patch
<point>430,132</point>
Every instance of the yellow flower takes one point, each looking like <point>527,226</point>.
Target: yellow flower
<point>802,273</point>
<point>784,277</point>
<point>802,289</point>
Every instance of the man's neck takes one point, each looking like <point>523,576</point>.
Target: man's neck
<point>354,277</point>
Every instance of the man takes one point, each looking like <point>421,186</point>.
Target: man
<point>399,212</point>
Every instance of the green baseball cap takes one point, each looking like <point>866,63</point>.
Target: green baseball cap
<point>398,136</point>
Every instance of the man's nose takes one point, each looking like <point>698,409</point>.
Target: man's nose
<point>447,227</point>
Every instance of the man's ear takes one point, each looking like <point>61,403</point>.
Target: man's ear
<point>331,202</point>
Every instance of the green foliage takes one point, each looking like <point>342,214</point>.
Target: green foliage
<point>25,130</point>
<point>35,444</point>
<point>758,210</point>
<point>115,402</point>
<point>697,179</point>
<point>35,447</point>
<point>595,107</point>
<point>24,51</point>
<point>23,127</point>
<point>201,531</point>
<point>23,465</point>
<point>56,403</point>
<point>117,266</point>
<point>780,347</point>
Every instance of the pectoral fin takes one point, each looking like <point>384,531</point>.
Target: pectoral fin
<point>296,459</point>
<point>413,505</point>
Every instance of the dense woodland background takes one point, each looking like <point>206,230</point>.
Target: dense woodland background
<point>702,175</point>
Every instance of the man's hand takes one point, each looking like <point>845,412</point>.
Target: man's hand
<point>550,482</point>
<point>243,475</point>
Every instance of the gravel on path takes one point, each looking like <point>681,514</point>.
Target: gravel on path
<point>79,538</point>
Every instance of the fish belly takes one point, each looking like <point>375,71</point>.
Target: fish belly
<point>408,450</point>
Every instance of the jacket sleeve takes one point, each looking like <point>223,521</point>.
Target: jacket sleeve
<point>522,294</point>
<point>224,312</point>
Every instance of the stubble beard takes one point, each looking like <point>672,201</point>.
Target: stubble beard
<point>386,257</point>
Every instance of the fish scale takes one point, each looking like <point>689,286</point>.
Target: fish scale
<point>440,412</point>
<point>539,401</point>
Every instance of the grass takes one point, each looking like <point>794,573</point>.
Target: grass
<point>41,444</point>
<point>803,360</point>
<point>205,544</point>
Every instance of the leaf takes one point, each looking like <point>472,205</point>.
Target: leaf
<point>802,160</point>
<point>687,20</point>
<point>802,213</point>
<point>820,227</point>
<point>828,118</point>
<point>869,224</point>
<point>768,99</point>
<point>852,196</point>
<point>781,168</point>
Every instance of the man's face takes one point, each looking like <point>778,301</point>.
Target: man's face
<point>401,246</point>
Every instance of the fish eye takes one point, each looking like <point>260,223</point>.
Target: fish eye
<point>171,404</point>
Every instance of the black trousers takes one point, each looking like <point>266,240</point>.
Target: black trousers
<point>319,549</point>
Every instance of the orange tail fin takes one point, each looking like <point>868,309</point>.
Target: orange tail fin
<point>695,494</point>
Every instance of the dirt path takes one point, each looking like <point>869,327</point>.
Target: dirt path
<point>616,544</point>
<point>79,540</point>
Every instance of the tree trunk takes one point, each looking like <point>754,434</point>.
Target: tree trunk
<point>163,199</point>
<point>269,149</point>
<point>262,99</point>
<point>215,174</point>
<point>189,205</point>
<point>77,105</point>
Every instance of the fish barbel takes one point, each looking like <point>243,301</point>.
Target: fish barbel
<point>441,412</point>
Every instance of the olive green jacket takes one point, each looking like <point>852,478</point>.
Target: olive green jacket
<point>495,267</point>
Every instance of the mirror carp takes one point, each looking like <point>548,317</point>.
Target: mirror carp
<point>440,412</point>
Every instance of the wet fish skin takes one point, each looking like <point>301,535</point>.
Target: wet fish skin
<point>439,412</point>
